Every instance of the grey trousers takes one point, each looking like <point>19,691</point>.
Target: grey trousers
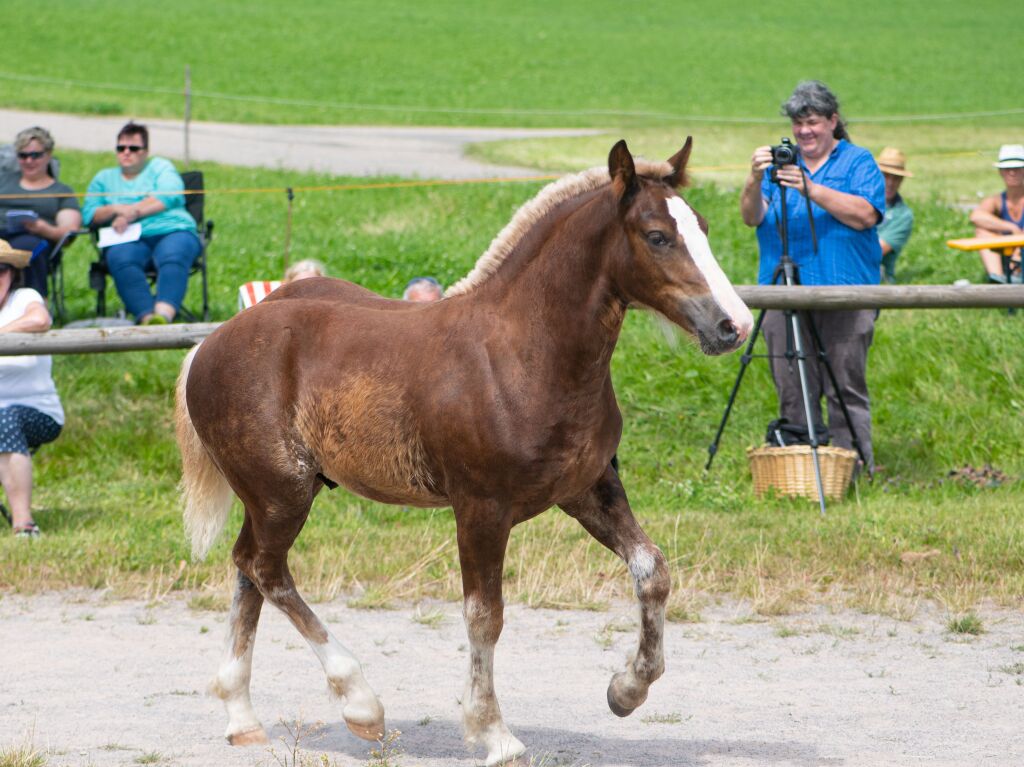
<point>846,336</point>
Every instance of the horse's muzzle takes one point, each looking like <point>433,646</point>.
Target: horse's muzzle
<point>728,333</point>
<point>726,336</point>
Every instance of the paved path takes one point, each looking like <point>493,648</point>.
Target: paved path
<point>347,151</point>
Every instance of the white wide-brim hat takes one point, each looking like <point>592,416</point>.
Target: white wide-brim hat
<point>1010,156</point>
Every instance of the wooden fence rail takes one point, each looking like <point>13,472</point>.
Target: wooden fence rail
<point>115,339</point>
<point>131,338</point>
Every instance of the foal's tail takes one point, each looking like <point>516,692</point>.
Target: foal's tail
<point>206,493</point>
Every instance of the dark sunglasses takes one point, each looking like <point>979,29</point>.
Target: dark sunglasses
<point>4,268</point>
<point>128,148</point>
<point>30,155</point>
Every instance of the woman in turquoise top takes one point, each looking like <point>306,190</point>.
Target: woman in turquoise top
<point>148,191</point>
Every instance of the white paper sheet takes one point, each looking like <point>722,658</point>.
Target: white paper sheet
<point>108,237</point>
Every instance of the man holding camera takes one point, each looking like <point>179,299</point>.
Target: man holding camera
<point>834,198</point>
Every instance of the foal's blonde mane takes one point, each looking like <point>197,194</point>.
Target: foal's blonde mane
<point>535,209</point>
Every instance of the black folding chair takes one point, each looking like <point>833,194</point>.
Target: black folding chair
<point>55,272</point>
<point>98,270</point>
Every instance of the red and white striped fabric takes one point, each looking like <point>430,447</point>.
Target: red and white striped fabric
<point>251,293</point>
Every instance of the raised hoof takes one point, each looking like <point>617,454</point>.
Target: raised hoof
<point>255,737</point>
<point>374,731</point>
<point>615,707</point>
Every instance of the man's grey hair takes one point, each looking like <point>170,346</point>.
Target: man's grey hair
<point>814,97</point>
<point>423,284</point>
<point>36,133</point>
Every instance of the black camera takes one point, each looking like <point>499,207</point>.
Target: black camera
<point>785,153</point>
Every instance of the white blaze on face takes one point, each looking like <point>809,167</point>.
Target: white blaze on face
<point>700,251</point>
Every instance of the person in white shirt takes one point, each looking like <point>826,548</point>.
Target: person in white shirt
<point>30,410</point>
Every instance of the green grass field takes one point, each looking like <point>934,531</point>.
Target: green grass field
<point>497,63</point>
<point>944,383</point>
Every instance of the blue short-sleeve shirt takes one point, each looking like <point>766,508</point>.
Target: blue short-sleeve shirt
<point>846,256</point>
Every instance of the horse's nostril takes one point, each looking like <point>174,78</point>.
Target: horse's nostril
<point>728,332</point>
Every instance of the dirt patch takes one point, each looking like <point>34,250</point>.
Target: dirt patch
<point>99,682</point>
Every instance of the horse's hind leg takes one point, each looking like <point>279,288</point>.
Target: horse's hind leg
<point>605,513</point>
<point>263,556</point>
<point>482,556</point>
<point>232,681</point>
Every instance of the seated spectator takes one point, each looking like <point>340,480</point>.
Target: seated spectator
<point>148,191</point>
<point>1003,213</point>
<point>300,270</point>
<point>423,289</point>
<point>54,216</point>
<point>251,293</point>
<point>894,231</point>
<point>30,410</point>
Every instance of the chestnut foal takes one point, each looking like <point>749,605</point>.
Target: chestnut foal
<point>496,401</point>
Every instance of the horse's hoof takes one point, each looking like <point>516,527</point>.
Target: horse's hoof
<point>365,718</point>
<point>255,737</point>
<point>615,707</point>
<point>625,697</point>
<point>506,753</point>
<point>373,731</point>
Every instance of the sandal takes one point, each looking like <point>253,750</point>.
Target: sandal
<point>31,530</point>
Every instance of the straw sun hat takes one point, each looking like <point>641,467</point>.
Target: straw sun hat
<point>893,162</point>
<point>17,258</point>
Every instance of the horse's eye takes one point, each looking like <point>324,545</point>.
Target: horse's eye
<point>657,239</point>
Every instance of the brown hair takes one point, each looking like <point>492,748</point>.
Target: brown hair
<point>17,281</point>
<point>135,129</point>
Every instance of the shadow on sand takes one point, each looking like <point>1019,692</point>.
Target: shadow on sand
<point>442,740</point>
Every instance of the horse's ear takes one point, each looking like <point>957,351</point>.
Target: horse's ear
<point>678,162</point>
<point>622,170</point>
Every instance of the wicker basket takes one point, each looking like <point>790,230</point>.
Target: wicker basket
<point>790,470</point>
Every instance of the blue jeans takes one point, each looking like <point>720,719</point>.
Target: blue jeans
<point>172,255</point>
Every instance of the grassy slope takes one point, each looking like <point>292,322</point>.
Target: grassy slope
<point>661,58</point>
<point>942,382</point>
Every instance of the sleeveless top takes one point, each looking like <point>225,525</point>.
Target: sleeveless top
<point>1004,213</point>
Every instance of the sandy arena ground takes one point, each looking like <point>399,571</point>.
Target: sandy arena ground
<point>100,682</point>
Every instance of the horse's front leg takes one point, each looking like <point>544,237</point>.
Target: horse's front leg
<point>604,511</point>
<point>483,536</point>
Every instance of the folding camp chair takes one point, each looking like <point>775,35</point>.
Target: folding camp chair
<point>251,293</point>
<point>55,271</point>
<point>98,270</point>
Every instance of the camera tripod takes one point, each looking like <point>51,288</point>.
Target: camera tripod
<point>788,272</point>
